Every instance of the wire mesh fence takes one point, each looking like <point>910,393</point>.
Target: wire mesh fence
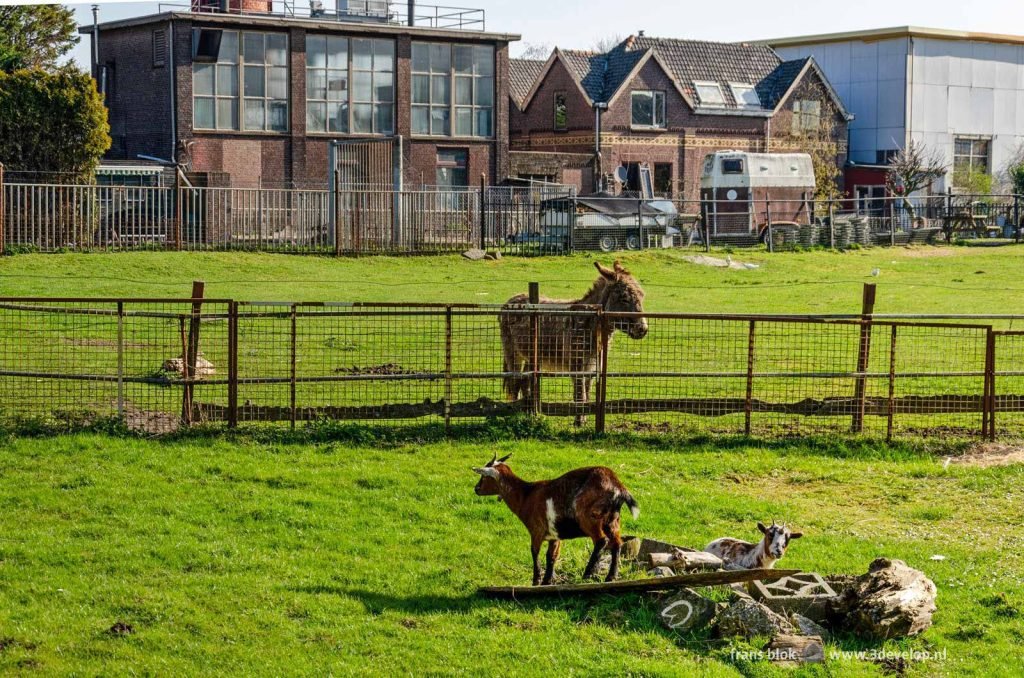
<point>158,366</point>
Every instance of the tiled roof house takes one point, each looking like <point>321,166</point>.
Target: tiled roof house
<point>667,103</point>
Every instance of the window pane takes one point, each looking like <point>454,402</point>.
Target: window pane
<point>383,56</point>
<point>483,60</point>
<point>420,120</point>
<point>420,57</point>
<point>362,118</point>
<point>254,114</point>
<point>228,52</point>
<point>484,92</point>
<point>254,81</point>
<point>362,86</point>
<point>316,117</point>
<point>439,93</point>
<point>483,122</point>
<point>277,83</point>
<point>962,147</point>
<point>362,54</point>
<point>339,117</point>
<point>440,58</point>
<point>337,85</point>
<point>277,116</point>
<point>383,118</point>
<point>203,114</point>
<point>227,113</point>
<point>659,109</point>
<point>642,108</point>
<point>227,80</point>
<point>464,59</point>
<point>316,85</point>
<point>316,51</point>
<point>252,48</point>
<point>202,79</point>
<point>382,88</point>
<point>337,52</point>
<point>561,112</point>
<point>464,91</point>
<point>464,122</point>
<point>421,89</point>
<point>440,121</point>
<point>277,49</point>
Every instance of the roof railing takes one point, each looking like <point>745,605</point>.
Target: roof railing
<point>343,11</point>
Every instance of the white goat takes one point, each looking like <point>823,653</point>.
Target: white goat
<point>742,555</point>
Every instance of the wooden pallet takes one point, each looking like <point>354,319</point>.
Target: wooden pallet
<point>634,585</point>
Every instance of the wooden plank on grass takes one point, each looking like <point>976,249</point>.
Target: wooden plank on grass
<point>634,585</point>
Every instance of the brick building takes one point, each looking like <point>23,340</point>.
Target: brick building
<point>251,96</point>
<point>667,103</point>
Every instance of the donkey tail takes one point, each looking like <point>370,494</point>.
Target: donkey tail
<point>628,500</point>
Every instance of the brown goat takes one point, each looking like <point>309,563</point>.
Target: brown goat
<point>582,503</point>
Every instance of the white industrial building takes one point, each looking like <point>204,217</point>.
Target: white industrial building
<point>959,92</point>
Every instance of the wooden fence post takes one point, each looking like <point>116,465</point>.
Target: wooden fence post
<point>891,411</point>
<point>535,327</point>
<point>232,364</point>
<point>748,403</point>
<point>120,361</point>
<point>188,367</point>
<point>447,370</point>
<point>602,384</point>
<point>863,356</point>
<point>293,355</point>
<point>988,414</point>
<point>3,208</point>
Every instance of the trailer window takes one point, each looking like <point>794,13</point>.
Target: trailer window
<point>733,166</point>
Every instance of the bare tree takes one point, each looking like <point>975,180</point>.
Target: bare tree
<point>539,51</point>
<point>607,43</point>
<point>913,168</point>
<point>1011,178</point>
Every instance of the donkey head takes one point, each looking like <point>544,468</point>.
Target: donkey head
<point>489,474</point>
<point>623,295</point>
<point>776,538</point>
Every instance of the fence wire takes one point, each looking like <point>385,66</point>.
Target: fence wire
<point>159,365</point>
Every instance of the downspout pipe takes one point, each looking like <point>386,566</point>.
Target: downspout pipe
<point>599,108</point>
<point>96,45</point>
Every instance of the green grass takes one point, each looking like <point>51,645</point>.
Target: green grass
<point>244,557</point>
<point>918,280</point>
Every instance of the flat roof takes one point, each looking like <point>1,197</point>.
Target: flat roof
<point>277,21</point>
<point>876,34</point>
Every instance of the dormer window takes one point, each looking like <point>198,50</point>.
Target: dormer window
<point>709,93</point>
<point>648,109</point>
<point>745,95</point>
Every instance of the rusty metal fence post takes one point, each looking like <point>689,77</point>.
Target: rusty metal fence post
<point>293,356</point>
<point>233,364</point>
<point>120,362</point>
<point>447,370</point>
<point>535,362</point>
<point>863,357</point>
<point>988,414</point>
<point>748,403</point>
<point>3,209</point>
<point>191,356</point>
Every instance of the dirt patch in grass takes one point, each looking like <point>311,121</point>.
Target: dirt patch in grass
<point>984,455</point>
<point>103,343</point>
<point>923,252</point>
<point>150,421</point>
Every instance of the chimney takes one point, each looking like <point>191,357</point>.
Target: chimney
<point>412,12</point>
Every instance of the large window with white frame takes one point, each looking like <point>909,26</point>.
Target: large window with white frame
<point>648,108</point>
<point>246,87</point>
<point>350,85</point>
<point>452,90</point>
<point>970,158</point>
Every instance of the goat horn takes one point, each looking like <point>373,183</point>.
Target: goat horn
<point>505,458</point>
<point>493,459</point>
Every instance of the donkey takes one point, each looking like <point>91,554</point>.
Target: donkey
<point>585,502</point>
<point>570,343</point>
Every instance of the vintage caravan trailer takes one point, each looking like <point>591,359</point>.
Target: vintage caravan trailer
<point>740,192</point>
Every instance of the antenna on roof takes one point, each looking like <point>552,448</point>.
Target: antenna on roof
<point>639,34</point>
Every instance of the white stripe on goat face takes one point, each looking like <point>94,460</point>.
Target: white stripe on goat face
<point>779,542</point>
<point>552,518</point>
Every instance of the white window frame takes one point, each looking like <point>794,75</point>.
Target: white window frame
<point>477,79</point>
<point>738,90</point>
<point>971,156</point>
<point>698,84</point>
<point>657,109</point>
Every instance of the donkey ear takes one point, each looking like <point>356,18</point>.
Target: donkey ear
<point>618,267</point>
<point>795,535</point>
<point>606,272</point>
<point>761,527</point>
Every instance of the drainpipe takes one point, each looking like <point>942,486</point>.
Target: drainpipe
<point>173,94</point>
<point>599,107</point>
<point>768,136</point>
<point>412,12</point>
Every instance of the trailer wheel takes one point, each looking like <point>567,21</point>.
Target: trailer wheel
<point>607,243</point>
<point>632,242</point>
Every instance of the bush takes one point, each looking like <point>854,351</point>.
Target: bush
<point>51,122</point>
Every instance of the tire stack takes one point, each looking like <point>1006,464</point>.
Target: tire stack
<point>808,235</point>
<point>860,231</point>
<point>843,230</point>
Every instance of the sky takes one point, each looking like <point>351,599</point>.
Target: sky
<point>581,24</point>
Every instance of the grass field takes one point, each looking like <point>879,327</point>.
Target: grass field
<point>242,557</point>
<point>342,551</point>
